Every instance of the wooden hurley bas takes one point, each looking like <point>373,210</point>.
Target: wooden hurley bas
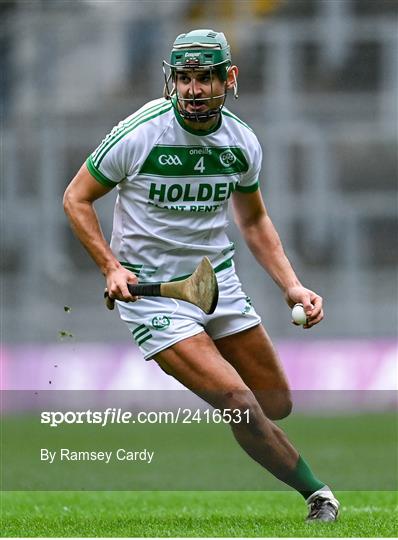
<point>200,289</point>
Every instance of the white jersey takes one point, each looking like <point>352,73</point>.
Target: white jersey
<point>173,188</point>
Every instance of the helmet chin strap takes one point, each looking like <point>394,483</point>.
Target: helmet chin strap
<point>198,116</point>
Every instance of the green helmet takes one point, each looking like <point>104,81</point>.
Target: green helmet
<point>202,49</point>
<point>198,50</point>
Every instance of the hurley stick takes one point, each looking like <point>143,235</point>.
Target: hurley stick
<point>200,289</point>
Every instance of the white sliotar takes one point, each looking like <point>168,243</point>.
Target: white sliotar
<point>298,314</point>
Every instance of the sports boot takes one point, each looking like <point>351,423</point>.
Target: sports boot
<point>322,508</point>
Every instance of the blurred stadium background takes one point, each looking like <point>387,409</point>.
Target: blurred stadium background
<point>318,84</point>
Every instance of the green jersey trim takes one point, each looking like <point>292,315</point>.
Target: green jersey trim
<point>117,129</point>
<point>98,174</point>
<point>231,115</point>
<point>248,189</point>
<point>222,266</point>
<point>129,127</point>
<point>140,269</point>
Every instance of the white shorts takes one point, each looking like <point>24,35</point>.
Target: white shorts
<point>157,323</point>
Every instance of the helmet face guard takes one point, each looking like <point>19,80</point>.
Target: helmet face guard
<point>198,51</point>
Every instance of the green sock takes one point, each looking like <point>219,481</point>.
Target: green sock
<point>303,480</point>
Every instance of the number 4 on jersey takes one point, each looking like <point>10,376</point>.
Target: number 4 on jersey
<point>200,166</point>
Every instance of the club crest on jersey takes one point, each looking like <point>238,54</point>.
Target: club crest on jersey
<point>160,322</point>
<point>227,158</point>
<point>168,159</point>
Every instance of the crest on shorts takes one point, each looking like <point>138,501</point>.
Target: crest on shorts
<point>160,322</point>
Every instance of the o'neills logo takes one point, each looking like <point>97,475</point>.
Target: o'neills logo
<point>227,158</point>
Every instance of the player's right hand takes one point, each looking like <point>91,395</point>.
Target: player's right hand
<point>116,284</point>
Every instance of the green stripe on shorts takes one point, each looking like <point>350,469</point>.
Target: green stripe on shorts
<point>141,334</point>
<point>144,339</point>
<point>141,327</point>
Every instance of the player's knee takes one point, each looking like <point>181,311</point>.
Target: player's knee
<point>276,404</point>
<point>281,409</point>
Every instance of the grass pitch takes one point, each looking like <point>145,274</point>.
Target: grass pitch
<point>358,451</point>
<point>200,514</point>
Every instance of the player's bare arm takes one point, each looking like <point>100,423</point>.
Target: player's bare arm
<point>79,197</point>
<point>263,240</point>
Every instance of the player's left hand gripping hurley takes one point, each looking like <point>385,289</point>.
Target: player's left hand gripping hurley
<point>200,289</point>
